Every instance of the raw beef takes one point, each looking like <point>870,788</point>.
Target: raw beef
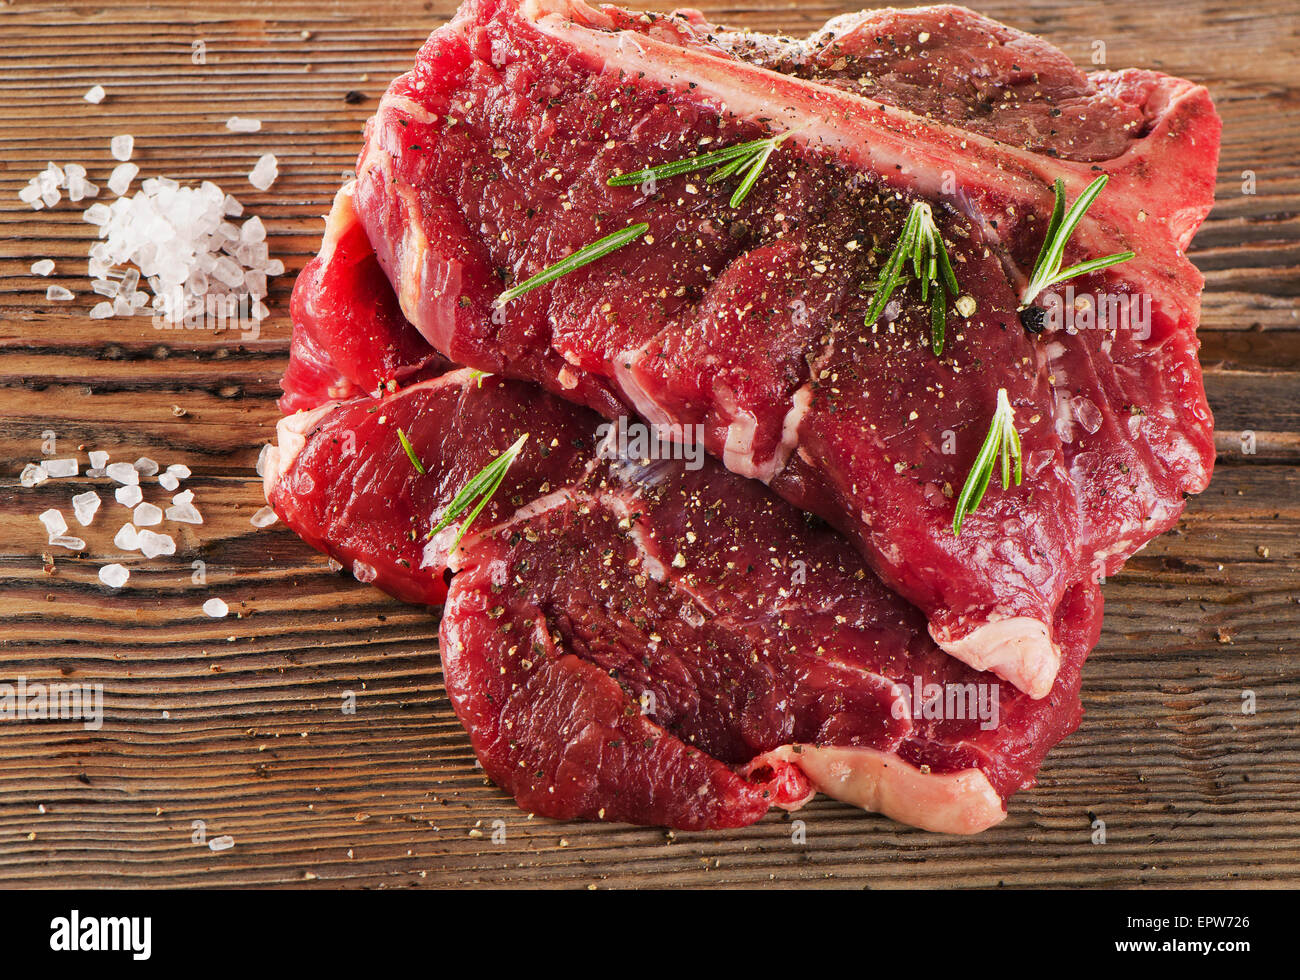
<point>349,334</point>
<point>489,161</point>
<point>640,641</point>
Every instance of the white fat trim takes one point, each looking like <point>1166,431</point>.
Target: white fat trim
<point>1018,649</point>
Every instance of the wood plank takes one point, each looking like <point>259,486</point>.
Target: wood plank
<point>238,722</point>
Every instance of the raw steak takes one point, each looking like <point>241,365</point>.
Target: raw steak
<point>639,641</point>
<point>349,334</point>
<point>489,161</point>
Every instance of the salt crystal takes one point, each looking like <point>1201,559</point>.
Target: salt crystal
<point>184,514</point>
<point>152,545</point>
<point>231,207</point>
<point>43,267</point>
<point>96,95</point>
<point>264,172</point>
<point>364,572</point>
<point>147,515</point>
<point>216,608</point>
<point>104,287</point>
<point>119,182</point>
<point>168,481</point>
<point>184,497</point>
<point>121,146</point>
<point>146,466</point>
<point>265,517</point>
<point>179,470</point>
<point>58,293</point>
<point>127,538</point>
<point>84,506</point>
<point>253,230</point>
<point>114,576</point>
<point>122,473</point>
<point>69,542</point>
<point>101,311</point>
<point>97,214</point>
<point>238,125</point>
<point>54,522</point>
<point>33,475</point>
<point>61,467</point>
<point>261,459</point>
<point>98,460</point>
<point>223,843</point>
<point>129,495</point>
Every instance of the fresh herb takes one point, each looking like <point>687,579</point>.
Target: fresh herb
<point>1047,269</point>
<point>1003,440</point>
<point>410,452</point>
<point>576,260</point>
<point>481,488</point>
<point>922,244</point>
<point>478,376</point>
<point>744,158</point>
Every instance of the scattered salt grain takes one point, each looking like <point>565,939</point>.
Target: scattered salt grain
<point>184,497</point>
<point>58,294</point>
<point>237,125</point>
<point>54,522</point>
<point>179,470</point>
<point>101,311</point>
<point>122,146</point>
<point>61,467</point>
<point>84,506</point>
<point>43,267</point>
<point>119,182</point>
<point>216,608</point>
<point>185,513</point>
<point>168,481</point>
<point>114,576</point>
<point>98,460</point>
<point>129,495</point>
<point>147,515</point>
<point>364,572</point>
<point>97,214</point>
<point>127,538</point>
<point>33,475</point>
<point>264,518</point>
<point>152,545</point>
<point>122,473</point>
<point>223,843</point>
<point>66,541</point>
<point>96,95</point>
<point>264,172</point>
<point>146,466</point>
<point>261,459</point>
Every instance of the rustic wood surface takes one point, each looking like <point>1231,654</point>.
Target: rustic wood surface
<point>238,723</point>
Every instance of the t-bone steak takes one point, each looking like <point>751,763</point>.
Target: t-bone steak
<point>490,161</point>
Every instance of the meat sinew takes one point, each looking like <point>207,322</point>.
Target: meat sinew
<point>647,642</point>
<point>491,161</point>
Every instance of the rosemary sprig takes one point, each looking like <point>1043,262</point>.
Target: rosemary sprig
<point>576,260</point>
<point>410,452</point>
<point>1047,268</point>
<point>1003,440</point>
<point>922,244</point>
<point>748,159</point>
<point>481,487</point>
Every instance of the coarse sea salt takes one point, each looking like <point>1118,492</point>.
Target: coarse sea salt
<point>238,125</point>
<point>122,147</point>
<point>184,514</point>
<point>129,495</point>
<point>168,481</point>
<point>127,538</point>
<point>58,294</point>
<point>146,466</point>
<point>223,843</point>
<point>69,542</point>
<point>54,522</point>
<point>264,172</point>
<point>265,517</point>
<point>114,576</point>
<point>122,473</point>
<point>61,467</point>
<point>119,182</point>
<point>42,267</point>
<point>98,460</point>
<point>152,544</point>
<point>33,475</point>
<point>84,506</point>
<point>96,95</point>
<point>147,515</point>
<point>216,608</point>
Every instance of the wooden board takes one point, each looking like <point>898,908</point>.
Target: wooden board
<point>239,722</point>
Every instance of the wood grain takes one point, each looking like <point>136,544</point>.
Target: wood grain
<point>239,722</point>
